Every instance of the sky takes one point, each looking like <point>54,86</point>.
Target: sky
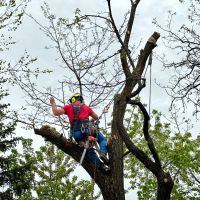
<point>28,37</point>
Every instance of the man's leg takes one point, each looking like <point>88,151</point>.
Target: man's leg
<point>92,156</point>
<point>103,148</point>
<point>78,136</point>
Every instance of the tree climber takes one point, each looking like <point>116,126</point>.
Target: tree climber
<point>78,114</point>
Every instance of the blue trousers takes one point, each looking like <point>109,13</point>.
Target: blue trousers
<point>91,153</point>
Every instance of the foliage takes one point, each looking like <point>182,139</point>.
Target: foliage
<point>15,177</point>
<point>15,168</point>
<point>179,154</point>
<point>54,179</point>
<point>12,12</point>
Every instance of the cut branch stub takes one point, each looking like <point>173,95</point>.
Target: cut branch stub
<point>144,53</point>
<point>153,39</point>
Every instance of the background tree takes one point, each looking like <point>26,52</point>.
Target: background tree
<point>179,153</point>
<point>54,176</point>
<point>89,47</point>
<point>184,42</point>
<point>15,176</point>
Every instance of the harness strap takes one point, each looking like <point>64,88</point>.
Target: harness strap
<point>84,126</point>
<point>77,123</point>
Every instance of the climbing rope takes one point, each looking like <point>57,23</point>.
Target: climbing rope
<point>60,120</point>
<point>105,121</point>
<point>106,108</point>
<point>129,122</point>
<point>93,182</point>
<point>150,86</point>
<point>150,79</point>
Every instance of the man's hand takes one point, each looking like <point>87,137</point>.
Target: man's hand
<point>56,111</point>
<point>52,101</point>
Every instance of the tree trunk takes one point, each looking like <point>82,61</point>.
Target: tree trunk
<point>165,185</point>
<point>112,186</point>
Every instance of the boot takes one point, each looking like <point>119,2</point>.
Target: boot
<point>104,158</point>
<point>105,169</point>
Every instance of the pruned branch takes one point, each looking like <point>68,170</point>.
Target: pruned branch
<point>145,53</point>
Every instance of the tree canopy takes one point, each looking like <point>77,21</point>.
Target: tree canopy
<point>15,177</point>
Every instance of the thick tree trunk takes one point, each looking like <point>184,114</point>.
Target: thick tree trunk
<point>165,185</point>
<point>112,187</point>
<point>116,163</point>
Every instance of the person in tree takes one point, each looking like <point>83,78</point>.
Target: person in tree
<point>78,114</point>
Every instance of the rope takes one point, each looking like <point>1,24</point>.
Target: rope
<point>105,121</point>
<point>150,80</point>
<point>93,182</point>
<point>130,119</point>
<point>106,108</point>
<point>61,125</point>
<point>150,87</point>
<point>149,64</point>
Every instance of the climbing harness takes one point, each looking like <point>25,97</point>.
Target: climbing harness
<point>84,126</point>
<point>77,123</point>
<point>91,140</point>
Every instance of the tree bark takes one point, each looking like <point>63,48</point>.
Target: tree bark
<point>165,185</point>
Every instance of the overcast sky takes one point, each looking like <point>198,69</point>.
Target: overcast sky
<point>31,39</point>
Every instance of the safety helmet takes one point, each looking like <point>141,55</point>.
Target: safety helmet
<point>75,97</point>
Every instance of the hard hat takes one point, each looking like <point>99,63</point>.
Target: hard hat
<point>76,96</point>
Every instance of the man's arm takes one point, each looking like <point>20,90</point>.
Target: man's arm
<point>56,111</point>
<point>95,116</point>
